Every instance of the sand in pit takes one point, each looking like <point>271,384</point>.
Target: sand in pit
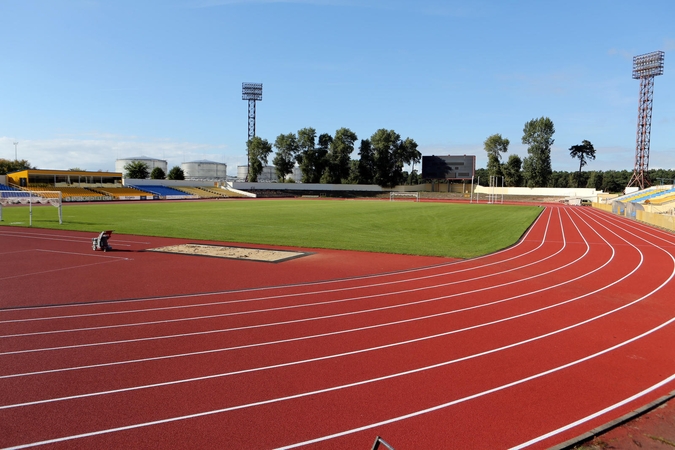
<point>217,251</point>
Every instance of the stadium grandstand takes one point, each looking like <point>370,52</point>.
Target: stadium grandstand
<point>656,199</point>
<point>98,186</point>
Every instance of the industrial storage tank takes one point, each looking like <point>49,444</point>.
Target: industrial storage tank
<point>204,170</point>
<point>268,174</point>
<point>151,163</point>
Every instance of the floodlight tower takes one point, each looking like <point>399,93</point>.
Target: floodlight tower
<point>645,68</point>
<point>251,92</point>
<point>15,153</point>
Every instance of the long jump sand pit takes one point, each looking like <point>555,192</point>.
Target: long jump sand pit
<point>221,251</point>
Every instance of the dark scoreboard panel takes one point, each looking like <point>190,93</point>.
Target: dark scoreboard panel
<point>460,167</point>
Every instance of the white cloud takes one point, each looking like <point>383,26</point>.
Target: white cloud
<point>625,54</point>
<point>99,151</point>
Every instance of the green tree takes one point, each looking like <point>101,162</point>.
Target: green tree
<point>258,152</point>
<point>407,155</point>
<point>495,145</point>
<point>538,136</point>
<point>611,182</point>
<point>390,156</point>
<point>310,158</point>
<point>157,174</point>
<point>75,169</point>
<point>583,152</point>
<point>366,163</point>
<point>338,156</point>
<point>384,143</point>
<point>137,170</point>
<point>512,175</point>
<point>176,173</point>
<point>287,149</point>
<point>9,166</point>
<point>595,180</point>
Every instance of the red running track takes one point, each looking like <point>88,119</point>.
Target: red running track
<point>525,348</point>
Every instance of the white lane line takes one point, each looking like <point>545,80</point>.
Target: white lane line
<point>315,318</point>
<point>346,386</point>
<point>391,345</point>
<point>70,238</point>
<point>314,304</point>
<point>597,414</point>
<point>91,254</point>
<point>290,339</point>
<point>59,269</point>
<point>482,394</point>
<point>666,237</point>
<point>311,283</point>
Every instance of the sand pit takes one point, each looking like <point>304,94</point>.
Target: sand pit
<point>218,251</point>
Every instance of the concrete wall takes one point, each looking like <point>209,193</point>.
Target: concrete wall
<point>3,179</point>
<point>585,193</point>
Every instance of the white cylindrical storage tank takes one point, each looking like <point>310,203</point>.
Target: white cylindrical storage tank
<point>204,169</point>
<point>268,174</point>
<point>242,172</point>
<point>151,162</point>
<point>297,174</point>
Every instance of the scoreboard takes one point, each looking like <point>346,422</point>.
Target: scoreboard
<point>450,167</point>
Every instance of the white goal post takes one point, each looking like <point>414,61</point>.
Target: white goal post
<point>30,198</point>
<point>415,196</point>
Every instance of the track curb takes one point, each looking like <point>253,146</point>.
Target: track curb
<point>595,432</point>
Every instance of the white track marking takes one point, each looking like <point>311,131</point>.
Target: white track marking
<point>310,318</point>
<point>597,414</point>
<point>58,270</point>
<point>288,286</point>
<point>346,386</point>
<point>390,420</point>
<point>73,238</point>
<point>391,345</point>
<point>292,339</point>
<point>91,255</point>
<point>482,394</point>
<point>349,299</point>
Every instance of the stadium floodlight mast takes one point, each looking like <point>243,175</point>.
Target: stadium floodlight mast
<point>15,153</point>
<point>645,68</point>
<point>253,93</point>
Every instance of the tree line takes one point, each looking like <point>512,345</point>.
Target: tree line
<point>9,166</point>
<point>327,158</point>
<point>535,169</point>
<point>611,181</point>
<point>139,170</point>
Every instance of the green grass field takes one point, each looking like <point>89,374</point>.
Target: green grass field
<point>433,229</point>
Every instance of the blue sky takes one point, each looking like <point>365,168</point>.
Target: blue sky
<point>83,82</point>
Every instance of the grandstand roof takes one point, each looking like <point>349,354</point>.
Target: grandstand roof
<point>85,173</point>
<point>42,176</point>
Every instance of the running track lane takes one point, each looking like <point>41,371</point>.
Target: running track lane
<point>503,351</point>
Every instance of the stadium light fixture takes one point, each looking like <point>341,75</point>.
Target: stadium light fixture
<point>253,93</point>
<point>645,68</point>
